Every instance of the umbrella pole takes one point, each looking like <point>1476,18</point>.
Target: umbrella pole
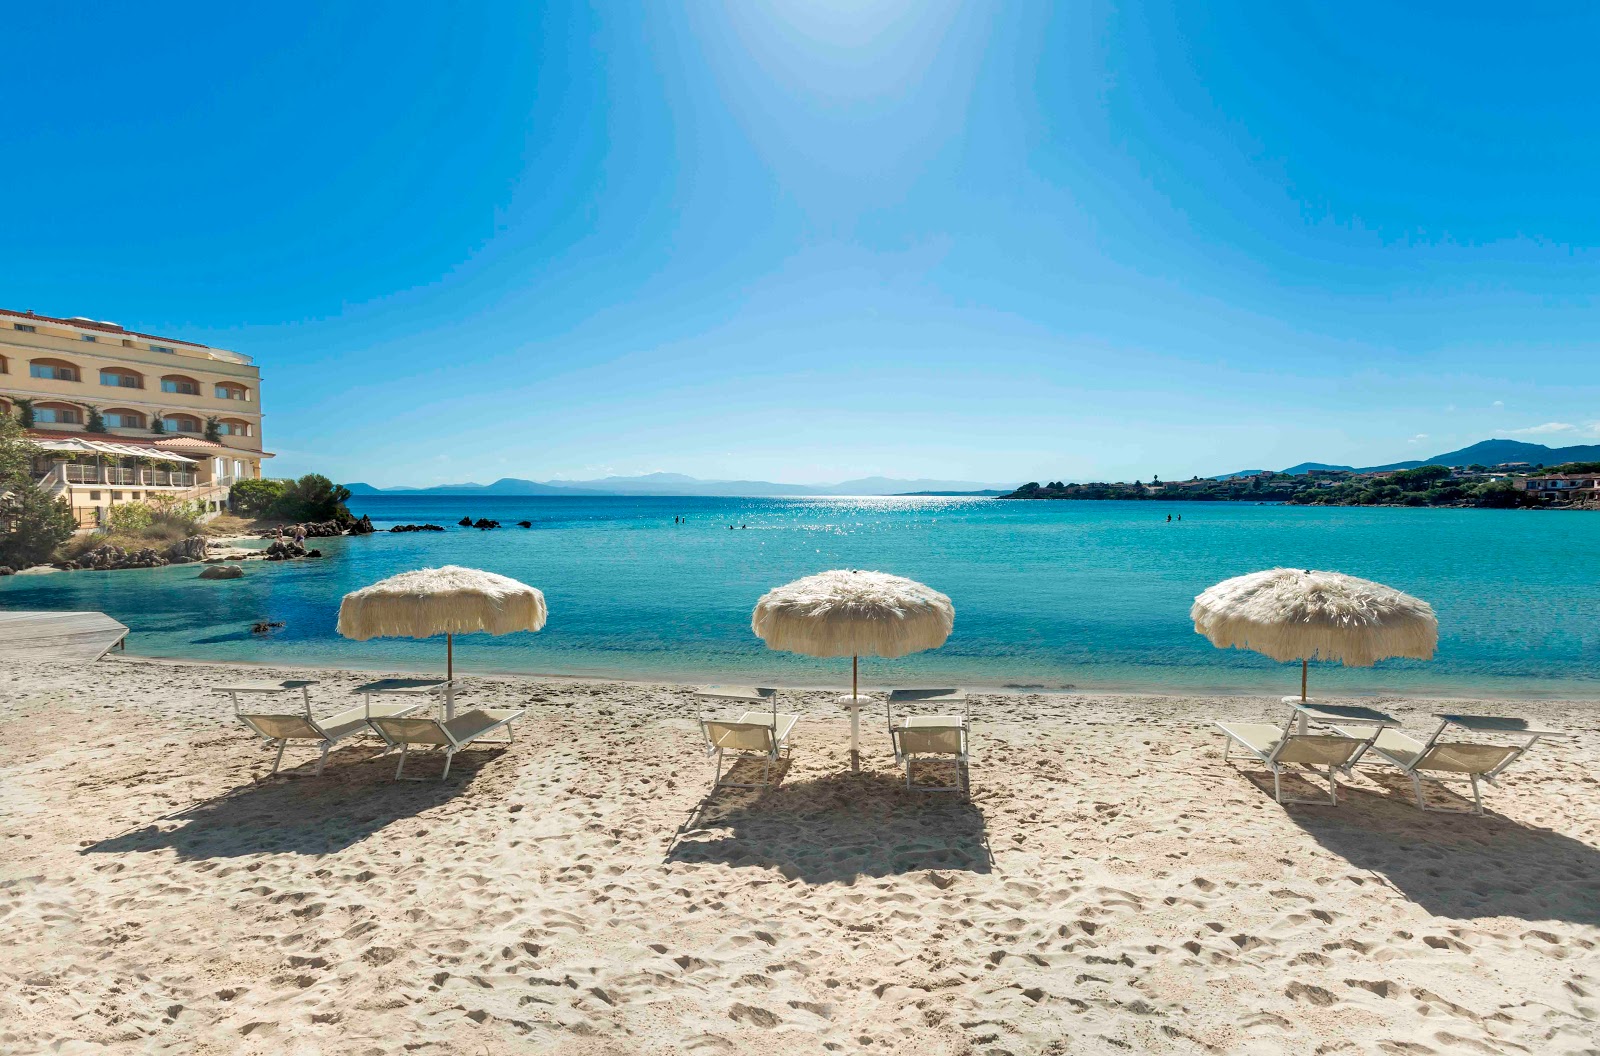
<point>449,676</point>
<point>1302,725</point>
<point>855,714</point>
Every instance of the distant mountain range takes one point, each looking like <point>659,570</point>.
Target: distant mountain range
<point>1485,453</point>
<point>677,484</point>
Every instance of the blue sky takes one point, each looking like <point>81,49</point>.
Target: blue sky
<point>814,241</point>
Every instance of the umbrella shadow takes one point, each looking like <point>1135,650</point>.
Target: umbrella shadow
<point>1462,866</point>
<point>836,828</point>
<point>306,814</point>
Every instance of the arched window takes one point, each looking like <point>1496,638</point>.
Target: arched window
<point>233,427</point>
<point>124,418</point>
<point>121,378</point>
<point>227,390</point>
<point>180,384</point>
<point>57,414</point>
<point>53,370</point>
<point>5,368</point>
<point>181,423</point>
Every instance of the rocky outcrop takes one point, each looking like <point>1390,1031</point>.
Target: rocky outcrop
<point>109,557</point>
<point>524,524</point>
<point>416,528</point>
<point>222,572</point>
<point>465,522</point>
<point>7,571</point>
<point>321,529</point>
<point>186,550</point>
<point>483,524</point>
<point>288,550</point>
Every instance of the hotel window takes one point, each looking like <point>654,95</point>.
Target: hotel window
<point>57,415</point>
<point>185,386</point>
<point>123,420</point>
<point>88,337</point>
<point>45,368</point>
<point>94,496</point>
<point>231,392</point>
<point>121,379</point>
<point>163,348</point>
<point>229,427</point>
<point>181,423</point>
<point>27,328</point>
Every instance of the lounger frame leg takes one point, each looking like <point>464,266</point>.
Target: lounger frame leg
<point>1277,787</point>
<point>283,742</point>
<point>323,758</point>
<point>1422,801</point>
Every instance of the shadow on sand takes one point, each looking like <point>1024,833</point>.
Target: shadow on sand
<point>1461,866</point>
<point>836,828</point>
<point>298,813</point>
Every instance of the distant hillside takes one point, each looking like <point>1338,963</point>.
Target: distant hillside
<point>1493,452</point>
<point>1487,453</point>
<point>679,485</point>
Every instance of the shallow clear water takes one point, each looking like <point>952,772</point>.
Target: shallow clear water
<point>1047,594</point>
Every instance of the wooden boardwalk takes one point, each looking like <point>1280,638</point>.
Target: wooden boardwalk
<point>67,637</point>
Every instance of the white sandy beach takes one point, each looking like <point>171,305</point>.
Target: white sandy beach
<point>1112,887</point>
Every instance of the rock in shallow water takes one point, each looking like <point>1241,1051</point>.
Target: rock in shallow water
<point>222,572</point>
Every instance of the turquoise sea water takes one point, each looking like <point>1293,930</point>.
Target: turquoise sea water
<point>1047,594</point>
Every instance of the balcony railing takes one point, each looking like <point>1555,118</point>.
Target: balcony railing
<point>121,476</point>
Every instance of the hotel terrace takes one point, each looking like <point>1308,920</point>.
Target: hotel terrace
<point>123,416</point>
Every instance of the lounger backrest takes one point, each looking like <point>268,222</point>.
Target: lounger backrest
<point>276,726</point>
<point>411,730</point>
<point>1464,758</point>
<point>1317,749</point>
<point>738,736</point>
<point>929,740</point>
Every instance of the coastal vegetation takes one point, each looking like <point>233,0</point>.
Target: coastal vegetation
<point>32,523</point>
<point>313,497</point>
<point>1430,485</point>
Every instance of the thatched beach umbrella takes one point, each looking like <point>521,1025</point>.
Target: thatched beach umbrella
<point>854,614</point>
<point>432,601</point>
<point>1289,614</point>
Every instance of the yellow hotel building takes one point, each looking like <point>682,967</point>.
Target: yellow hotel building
<point>123,416</point>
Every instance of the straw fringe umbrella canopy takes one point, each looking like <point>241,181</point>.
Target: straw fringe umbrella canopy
<point>450,600</point>
<point>1290,614</point>
<point>852,613</point>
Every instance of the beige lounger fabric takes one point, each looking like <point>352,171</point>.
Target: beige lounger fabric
<point>452,735</point>
<point>763,734</point>
<point>1277,747</point>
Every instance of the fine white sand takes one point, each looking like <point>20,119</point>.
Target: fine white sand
<point>1112,887</point>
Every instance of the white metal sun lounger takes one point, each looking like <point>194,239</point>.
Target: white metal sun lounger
<point>931,735</point>
<point>764,734</point>
<point>1439,761</point>
<point>281,728</point>
<point>1279,746</point>
<point>452,735</point>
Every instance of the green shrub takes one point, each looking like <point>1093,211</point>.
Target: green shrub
<point>32,524</point>
<point>312,498</point>
<point>255,498</point>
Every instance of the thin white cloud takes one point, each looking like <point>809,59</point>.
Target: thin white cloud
<point>1544,430</point>
<point>1418,438</point>
<point>1497,404</point>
